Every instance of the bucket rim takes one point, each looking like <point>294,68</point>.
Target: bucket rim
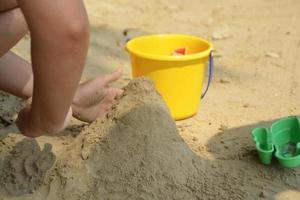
<point>189,57</point>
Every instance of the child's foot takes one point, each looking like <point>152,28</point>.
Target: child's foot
<point>94,98</point>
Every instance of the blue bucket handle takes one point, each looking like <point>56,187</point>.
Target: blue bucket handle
<point>211,63</point>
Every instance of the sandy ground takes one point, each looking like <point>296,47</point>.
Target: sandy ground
<point>256,77</point>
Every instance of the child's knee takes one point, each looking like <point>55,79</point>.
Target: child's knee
<point>77,30</point>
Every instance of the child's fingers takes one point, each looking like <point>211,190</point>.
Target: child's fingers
<point>113,76</point>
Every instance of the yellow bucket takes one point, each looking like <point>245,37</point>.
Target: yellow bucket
<point>178,79</point>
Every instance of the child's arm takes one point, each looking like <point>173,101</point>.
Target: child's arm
<point>60,34</point>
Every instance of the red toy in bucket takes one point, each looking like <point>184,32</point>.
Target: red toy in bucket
<point>179,52</point>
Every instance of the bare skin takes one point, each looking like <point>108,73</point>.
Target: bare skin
<point>94,98</point>
<point>57,66</point>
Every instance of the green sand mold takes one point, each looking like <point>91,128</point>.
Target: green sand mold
<point>283,139</point>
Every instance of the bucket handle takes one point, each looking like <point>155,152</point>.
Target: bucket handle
<point>211,63</point>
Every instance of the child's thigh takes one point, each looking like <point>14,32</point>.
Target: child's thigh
<point>6,5</point>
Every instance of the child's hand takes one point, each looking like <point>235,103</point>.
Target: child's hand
<point>94,98</point>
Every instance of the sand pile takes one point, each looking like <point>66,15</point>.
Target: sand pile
<point>133,153</point>
<point>140,153</point>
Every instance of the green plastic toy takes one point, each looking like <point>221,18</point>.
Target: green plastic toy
<point>283,139</point>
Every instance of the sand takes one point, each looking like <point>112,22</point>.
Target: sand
<point>256,81</point>
<point>24,169</point>
<point>135,152</point>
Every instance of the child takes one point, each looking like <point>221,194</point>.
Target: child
<point>59,42</point>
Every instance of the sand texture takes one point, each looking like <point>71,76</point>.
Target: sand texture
<point>135,152</point>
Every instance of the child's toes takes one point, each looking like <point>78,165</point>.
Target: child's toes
<point>118,92</point>
<point>109,99</point>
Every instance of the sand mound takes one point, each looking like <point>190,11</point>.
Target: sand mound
<point>135,152</point>
<point>140,153</point>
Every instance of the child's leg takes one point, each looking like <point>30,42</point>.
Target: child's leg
<point>16,76</point>
<point>7,5</point>
<point>97,92</point>
<point>12,28</point>
<point>59,42</point>
<point>92,98</point>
